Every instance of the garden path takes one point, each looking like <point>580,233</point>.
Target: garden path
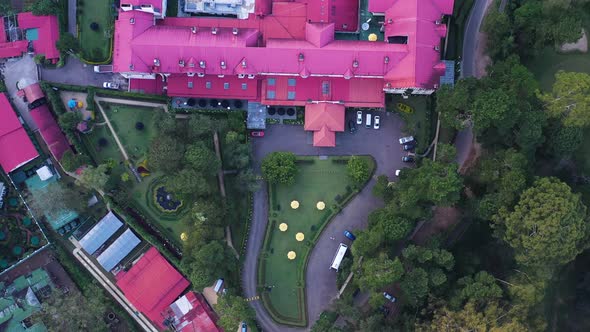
<point>115,136</point>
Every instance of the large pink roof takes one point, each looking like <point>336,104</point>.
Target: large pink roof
<point>16,148</point>
<point>50,131</point>
<point>48,32</point>
<point>152,284</point>
<point>324,119</point>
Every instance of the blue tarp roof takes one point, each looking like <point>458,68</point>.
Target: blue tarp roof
<point>118,250</point>
<point>100,233</point>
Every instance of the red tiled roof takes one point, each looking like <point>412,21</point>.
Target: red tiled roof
<point>16,148</point>
<point>33,92</point>
<point>191,313</point>
<point>324,119</point>
<point>48,30</point>
<point>152,284</point>
<point>50,131</point>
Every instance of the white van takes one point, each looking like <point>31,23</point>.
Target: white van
<point>368,121</point>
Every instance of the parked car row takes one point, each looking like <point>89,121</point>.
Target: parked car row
<point>370,120</point>
<point>408,144</point>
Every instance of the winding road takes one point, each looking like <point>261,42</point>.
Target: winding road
<point>320,281</point>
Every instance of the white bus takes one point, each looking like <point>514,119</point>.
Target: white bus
<point>338,257</point>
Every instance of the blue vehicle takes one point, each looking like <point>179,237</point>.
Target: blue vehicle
<point>349,235</point>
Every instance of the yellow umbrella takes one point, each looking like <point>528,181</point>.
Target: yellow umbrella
<point>372,37</point>
<point>283,227</point>
<point>291,255</point>
<point>183,236</point>
<point>299,237</point>
<point>321,205</point>
<point>294,205</point>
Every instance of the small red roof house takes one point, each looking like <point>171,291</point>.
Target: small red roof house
<point>44,37</point>
<point>56,141</point>
<point>191,313</point>
<point>324,120</point>
<point>288,54</point>
<point>16,148</point>
<point>151,285</point>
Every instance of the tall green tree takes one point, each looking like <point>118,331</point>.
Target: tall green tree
<point>67,43</point>
<point>187,183</point>
<point>569,99</point>
<point>479,288</point>
<point>358,169</point>
<point>165,154</point>
<point>208,263</point>
<point>233,310</point>
<point>202,159</point>
<point>279,167</point>
<point>380,271</point>
<point>70,161</point>
<point>414,286</point>
<point>94,177</point>
<point>548,227</point>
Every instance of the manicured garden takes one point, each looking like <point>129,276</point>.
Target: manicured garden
<point>297,216</point>
<point>19,234</point>
<point>95,29</point>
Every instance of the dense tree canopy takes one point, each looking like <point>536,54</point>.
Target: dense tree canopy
<point>94,177</point>
<point>358,169</point>
<point>233,310</point>
<point>165,154</point>
<point>279,167</point>
<point>569,100</point>
<point>62,312</point>
<point>380,271</point>
<point>548,226</point>
<point>208,263</point>
<point>202,159</point>
<point>188,182</point>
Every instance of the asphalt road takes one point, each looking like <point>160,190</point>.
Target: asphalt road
<point>72,27</point>
<point>76,73</point>
<point>320,280</point>
<point>464,139</point>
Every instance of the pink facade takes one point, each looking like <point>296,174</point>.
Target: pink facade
<point>288,55</point>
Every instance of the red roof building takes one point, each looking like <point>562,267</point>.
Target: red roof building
<point>50,131</point>
<point>191,313</point>
<point>324,120</point>
<point>46,34</point>
<point>151,285</point>
<point>16,148</point>
<point>288,53</point>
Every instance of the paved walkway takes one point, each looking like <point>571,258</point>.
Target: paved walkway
<point>72,26</point>
<point>97,273</point>
<point>131,102</point>
<point>321,287</point>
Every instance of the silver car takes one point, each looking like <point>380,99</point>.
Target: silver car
<point>406,139</point>
<point>359,117</point>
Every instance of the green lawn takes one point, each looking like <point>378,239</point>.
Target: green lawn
<point>548,62</point>
<point>317,180</point>
<point>95,44</point>
<point>124,118</point>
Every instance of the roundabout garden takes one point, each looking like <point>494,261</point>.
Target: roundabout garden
<point>297,215</point>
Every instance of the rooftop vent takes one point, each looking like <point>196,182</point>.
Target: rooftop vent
<point>355,64</point>
<point>131,67</point>
<point>223,65</point>
<point>234,31</point>
<point>201,74</point>
<point>202,64</point>
<point>301,57</point>
<point>437,48</point>
<point>157,62</point>
<point>194,29</point>
<point>181,63</point>
<point>397,39</point>
<point>213,31</point>
<point>386,59</point>
<point>243,63</point>
<point>132,20</point>
<point>438,22</point>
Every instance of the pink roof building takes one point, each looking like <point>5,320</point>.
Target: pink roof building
<point>151,285</point>
<point>16,148</point>
<point>47,35</point>
<point>56,141</point>
<point>287,54</point>
<point>191,313</point>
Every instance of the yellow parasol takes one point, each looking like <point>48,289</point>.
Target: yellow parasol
<point>320,205</point>
<point>299,237</point>
<point>283,227</point>
<point>372,37</point>
<point>294,205</point>
<point>184,236</point>
<point>291,255</point>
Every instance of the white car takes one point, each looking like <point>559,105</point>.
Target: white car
<point>110,85</point>
<point>359,117</point>
<point>376,122</point>
<point>389,297</point>
<point>397,171</point>
<point>406,139</point>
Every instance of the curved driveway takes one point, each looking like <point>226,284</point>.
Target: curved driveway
<point>320,280</point>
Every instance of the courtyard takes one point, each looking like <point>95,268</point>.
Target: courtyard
<point>298,214</point>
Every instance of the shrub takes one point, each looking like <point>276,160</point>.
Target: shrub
<point>139,125</point>
<point>102,142</point>
<point>94,26</point>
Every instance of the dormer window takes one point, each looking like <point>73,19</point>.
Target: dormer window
<point>181,63</point>
<point>202,64</point>
<point>301,57</point>
<point>243,63</point>
<point>157,62</point>
<point>132,20</point>
<point>191,64</point>
<point>223,65</point>
<point>131,67</point>
<point>355,64</point>
<point>386,59</point>
<point>194,29</point>
<point>234,31</point>
<point>213,31</point>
